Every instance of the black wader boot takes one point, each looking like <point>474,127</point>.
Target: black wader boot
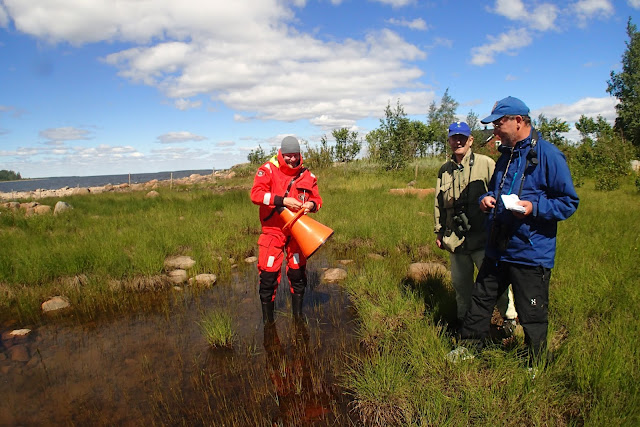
<point>267,312</point>
<point>298,283</point>
<point>296,305</point>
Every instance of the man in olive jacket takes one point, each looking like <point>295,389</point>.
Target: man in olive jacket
<point>459,222</point>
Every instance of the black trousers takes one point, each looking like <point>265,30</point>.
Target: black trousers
<point>531,296</point>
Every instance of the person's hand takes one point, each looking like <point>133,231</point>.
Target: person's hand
<point>439,241</point>
<point>308,206</point>
<point>292,204</point>
<point>487,204</point>
<point>528,208</point>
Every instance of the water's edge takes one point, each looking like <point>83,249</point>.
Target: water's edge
<point>55,183</point>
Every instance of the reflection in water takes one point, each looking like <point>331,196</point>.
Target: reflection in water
<point>301,400</point>
<point>155,367</point>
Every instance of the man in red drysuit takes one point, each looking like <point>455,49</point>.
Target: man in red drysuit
<point>280,183</point>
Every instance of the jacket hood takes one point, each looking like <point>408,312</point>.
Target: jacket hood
<point>285,168</point>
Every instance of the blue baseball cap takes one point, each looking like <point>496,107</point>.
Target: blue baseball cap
<point>508,106</point>
<point>459,128</point>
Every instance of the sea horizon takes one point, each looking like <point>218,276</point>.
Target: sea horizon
<point>58,182</point>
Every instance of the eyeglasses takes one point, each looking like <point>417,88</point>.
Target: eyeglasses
<point>459,138</point>
<point>502,120</point>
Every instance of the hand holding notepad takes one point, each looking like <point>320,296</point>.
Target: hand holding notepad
<point>511,203</point>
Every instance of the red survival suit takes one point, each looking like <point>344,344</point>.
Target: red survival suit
<point>274,181</point>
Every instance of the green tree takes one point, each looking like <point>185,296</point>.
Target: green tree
<point>257,157</point>
<point>440,117</point>
<point>374,141</point>
<point>347,144</point>
<point>422,137</point>
<point>397,144</point>
<point>319,157</point>
<point>591,130</point>
<point>551,130</point>
<point>625,86</point>
<point>7,175</point>
<point>602,155</point>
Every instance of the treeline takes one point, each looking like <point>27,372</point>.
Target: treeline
<point>6,175</point>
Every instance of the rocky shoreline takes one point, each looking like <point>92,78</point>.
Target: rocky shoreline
<point>150,185</point>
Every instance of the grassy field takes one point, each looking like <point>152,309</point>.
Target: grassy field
<point>402,376</point>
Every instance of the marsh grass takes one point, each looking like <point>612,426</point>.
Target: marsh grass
<point>217,328</point>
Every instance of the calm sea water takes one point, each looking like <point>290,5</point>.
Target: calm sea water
<point>55,183</point>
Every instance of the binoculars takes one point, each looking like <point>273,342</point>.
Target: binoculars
<point>461,223</point>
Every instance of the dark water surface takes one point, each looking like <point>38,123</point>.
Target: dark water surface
<point>155,368</point>
<point>55,183</point>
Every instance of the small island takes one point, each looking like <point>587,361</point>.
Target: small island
<point>7,175</point>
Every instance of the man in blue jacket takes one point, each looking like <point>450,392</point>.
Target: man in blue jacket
<point>530,191</point>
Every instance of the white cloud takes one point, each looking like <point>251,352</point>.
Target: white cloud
<point>544,17</point>
<point>396,3</point>
<point>225,144</point>
<point>416,24</point>
<point>634,3</point>
<point>65,134</point>
<point>185,104</point>
<point>508,43</point>
<point>242,53</point>
<point>178,137</point>
<point>589,9</point>
<point>4,18</point>
<point>143,21</point>
<point>590,107</point>
<point>511,9</point>
<point>327,123</point>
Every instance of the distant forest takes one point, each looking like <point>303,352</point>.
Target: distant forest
<point>6,175</point>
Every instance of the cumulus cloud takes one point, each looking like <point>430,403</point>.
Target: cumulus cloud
<point>178,137</point>
<point>509,42</point>
<point>542,18</point>
<point>511,9</point>
<point>65,134</point>
<point>590,107</point>
<point>589,9</point>
<point>634,3</point>
<point>416,24</point>
<point>244,54</point>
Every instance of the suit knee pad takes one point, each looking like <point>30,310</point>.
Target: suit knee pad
<point>297,280</point>
<point>268,285</point>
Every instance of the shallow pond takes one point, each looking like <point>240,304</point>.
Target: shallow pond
<point>156,368</point>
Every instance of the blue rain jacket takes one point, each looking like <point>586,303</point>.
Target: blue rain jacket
<point>547,185</point>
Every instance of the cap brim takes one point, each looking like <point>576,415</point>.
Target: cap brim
<point>459,133</point>
<point>491,118</point>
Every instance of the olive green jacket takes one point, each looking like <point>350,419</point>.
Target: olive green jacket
<point>456,192</point>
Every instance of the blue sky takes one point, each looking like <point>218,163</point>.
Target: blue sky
<point>132,86</point>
